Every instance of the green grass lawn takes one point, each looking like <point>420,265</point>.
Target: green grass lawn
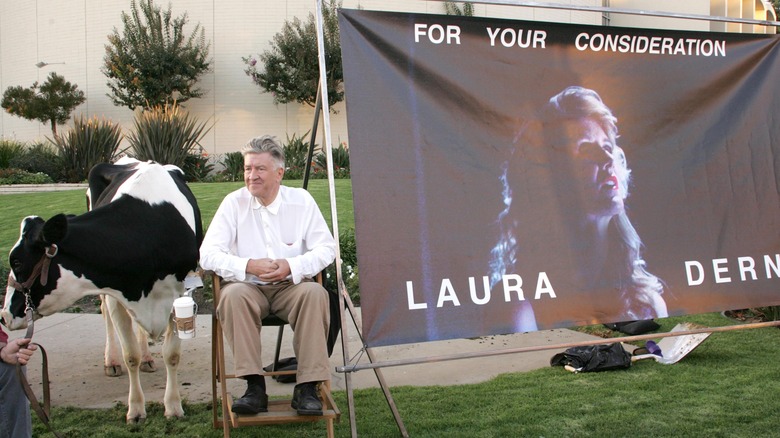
<point>727,387</point>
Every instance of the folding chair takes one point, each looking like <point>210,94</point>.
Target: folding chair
<point>279,411</point>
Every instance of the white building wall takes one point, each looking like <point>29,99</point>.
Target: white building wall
<point>747,9</point>
<point>75,32</point>
<point>696,7</point>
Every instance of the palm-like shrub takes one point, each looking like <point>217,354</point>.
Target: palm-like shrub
<point>9,149</point>
<point>340,159</point>
<point>296,152</point>
<point>89,142</point>
<point>166,134</point>
<point>234,166</point>
<point>452,8</point>
<point>197,167</point>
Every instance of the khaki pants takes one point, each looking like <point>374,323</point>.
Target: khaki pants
<point>305,306</point>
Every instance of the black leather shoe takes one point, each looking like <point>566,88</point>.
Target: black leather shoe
<point>253,402</point>
<point>305,399</point>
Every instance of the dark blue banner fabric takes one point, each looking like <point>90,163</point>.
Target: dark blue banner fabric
<point>512,176</point>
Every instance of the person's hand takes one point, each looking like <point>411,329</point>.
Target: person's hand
<point>259,267</point>
<point>18,351</point>
<point>279,274</point>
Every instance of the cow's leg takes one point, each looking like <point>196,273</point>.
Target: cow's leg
<point>112,358</point>
<point>147,362</point>
<point>172,355</point>
<point>136,411</point>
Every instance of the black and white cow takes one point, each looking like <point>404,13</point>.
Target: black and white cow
<point>135,246</point>
<point>103,181</point>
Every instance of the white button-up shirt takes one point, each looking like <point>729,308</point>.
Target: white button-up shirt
<point>290,228</point>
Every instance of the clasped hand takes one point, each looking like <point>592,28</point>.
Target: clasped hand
<point>269,270</point>
<point>17,351</point>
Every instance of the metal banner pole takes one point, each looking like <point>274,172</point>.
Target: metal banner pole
<point>457,356</point>
<point>312,139</point>
<point>343,295</point>
<point>604,9</point>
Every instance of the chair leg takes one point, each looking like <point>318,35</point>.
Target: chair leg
<point>328,401</point>
<point>278,347</point>
<point>215,374</point>
<point>219,397</point>
<point>218,374</point>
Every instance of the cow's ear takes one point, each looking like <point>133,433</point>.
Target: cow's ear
<point>55,229</point>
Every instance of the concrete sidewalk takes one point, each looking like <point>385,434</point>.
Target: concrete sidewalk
<point>75,343</point>
<point>32,188</point>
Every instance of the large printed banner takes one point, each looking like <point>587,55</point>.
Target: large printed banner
<point>512,176</point>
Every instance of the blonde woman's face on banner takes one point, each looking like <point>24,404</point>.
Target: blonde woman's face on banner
<point>597,166</point>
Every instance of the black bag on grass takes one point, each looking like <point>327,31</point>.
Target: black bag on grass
<point>634,327</point>
<point>602,357</point>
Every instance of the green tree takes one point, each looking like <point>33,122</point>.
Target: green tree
<point>154,62</point>
<point>51,102</point>
<point>452,8</point>
<point>290,68</point>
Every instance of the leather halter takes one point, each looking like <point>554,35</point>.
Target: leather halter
<point>41,269</point>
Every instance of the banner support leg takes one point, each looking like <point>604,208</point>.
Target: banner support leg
<point>312,138</point>
<point>322,101</point>
<point>377,372</point>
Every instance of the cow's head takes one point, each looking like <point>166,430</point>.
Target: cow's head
<point>28,271</point>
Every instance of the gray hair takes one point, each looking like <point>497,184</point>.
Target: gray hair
<point>265,144</point>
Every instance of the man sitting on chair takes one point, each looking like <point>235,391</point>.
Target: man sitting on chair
<point>268,241</point>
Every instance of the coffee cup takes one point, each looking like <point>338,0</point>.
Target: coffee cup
<point>184,310</point>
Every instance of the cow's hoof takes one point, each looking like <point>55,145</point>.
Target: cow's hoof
<point>148,366</point>
<point>176,412</point>
<point>113,370</point>
<point>139,419</point>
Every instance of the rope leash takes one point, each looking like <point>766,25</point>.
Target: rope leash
<point>43,412</point>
